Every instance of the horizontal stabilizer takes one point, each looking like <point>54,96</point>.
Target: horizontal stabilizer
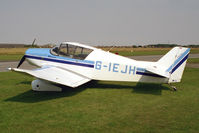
<point>159,70</point>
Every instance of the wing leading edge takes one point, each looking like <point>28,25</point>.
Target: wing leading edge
<point>56,75</point>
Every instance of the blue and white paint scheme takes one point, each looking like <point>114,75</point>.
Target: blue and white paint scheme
<point>73,64</point>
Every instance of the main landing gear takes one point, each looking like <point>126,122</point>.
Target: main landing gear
<point>173,87</point>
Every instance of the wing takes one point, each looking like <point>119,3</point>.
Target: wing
<point>56,75</point>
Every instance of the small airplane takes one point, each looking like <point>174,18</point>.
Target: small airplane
<point>73,64</point>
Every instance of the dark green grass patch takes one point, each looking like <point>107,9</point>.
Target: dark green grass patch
<point>194,51</point>
<point>139,53</point>
<point>193,60</point>
<point>100,106</point>
<point>10,57</point>
<point>152,52</point>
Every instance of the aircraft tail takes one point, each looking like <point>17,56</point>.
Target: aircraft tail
<point>174,62</point>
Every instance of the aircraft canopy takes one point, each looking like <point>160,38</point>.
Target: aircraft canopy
<point>71,51</point>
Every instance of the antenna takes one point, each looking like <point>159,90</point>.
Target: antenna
<point>111,48</point>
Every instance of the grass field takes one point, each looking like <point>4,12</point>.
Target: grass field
<point>12,51</point>
<point>193,60</point>
<point>145,51</point>
<point>11,54</point>
<point>12,57</point>
<point>100,107</point>
<point>15,54</point>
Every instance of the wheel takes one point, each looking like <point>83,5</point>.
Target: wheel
<point>174,88</point>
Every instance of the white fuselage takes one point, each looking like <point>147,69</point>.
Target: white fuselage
<point>106,66</point>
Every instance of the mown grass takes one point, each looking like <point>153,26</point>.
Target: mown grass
<point>193,60</point>
<point>11,54</point>
<point>12,57</point>
<point>145,51</point>
<point>12,51</point>
<point>15,54</point>
<point>140,53</point>
<point>100,107</point>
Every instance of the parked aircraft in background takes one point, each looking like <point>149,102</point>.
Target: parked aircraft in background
<point>73,64</point>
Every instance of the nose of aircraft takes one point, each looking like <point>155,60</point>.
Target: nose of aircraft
<point>34,52</point>
<point>31,51</point>
<point>37,51</point>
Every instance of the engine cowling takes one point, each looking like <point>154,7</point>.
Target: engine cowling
<point>41,85</point>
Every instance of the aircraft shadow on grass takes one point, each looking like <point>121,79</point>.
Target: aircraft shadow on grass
<point>142,88</point>
<point>31,96</point>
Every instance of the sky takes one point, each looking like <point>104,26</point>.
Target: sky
<point>100,22</point>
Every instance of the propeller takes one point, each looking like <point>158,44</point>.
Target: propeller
<point>21,61</point>
<point>33,43</point>
<point>24,57</point>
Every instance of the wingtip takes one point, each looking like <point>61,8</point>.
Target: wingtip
<point>9,69</point>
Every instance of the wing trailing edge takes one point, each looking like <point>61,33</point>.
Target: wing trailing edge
<point>56,75</point>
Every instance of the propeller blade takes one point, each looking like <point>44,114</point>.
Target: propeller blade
<point>33,42</point>
<point>21,61</point>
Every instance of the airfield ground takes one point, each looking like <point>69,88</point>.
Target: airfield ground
<point>15,54</point>
<point>193,62</point>
<point>100,106</point>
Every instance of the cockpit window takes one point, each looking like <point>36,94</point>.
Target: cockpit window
<point>55,50</point>
<point>71,51</point>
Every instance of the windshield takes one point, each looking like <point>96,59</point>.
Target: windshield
<point>55,50</point>
<point>71,51</point>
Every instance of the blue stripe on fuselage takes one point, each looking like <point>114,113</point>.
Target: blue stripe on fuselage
<point>66,61</point>
<point>45,53</point>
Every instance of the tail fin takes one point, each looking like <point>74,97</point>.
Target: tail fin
<point>175,61</point>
